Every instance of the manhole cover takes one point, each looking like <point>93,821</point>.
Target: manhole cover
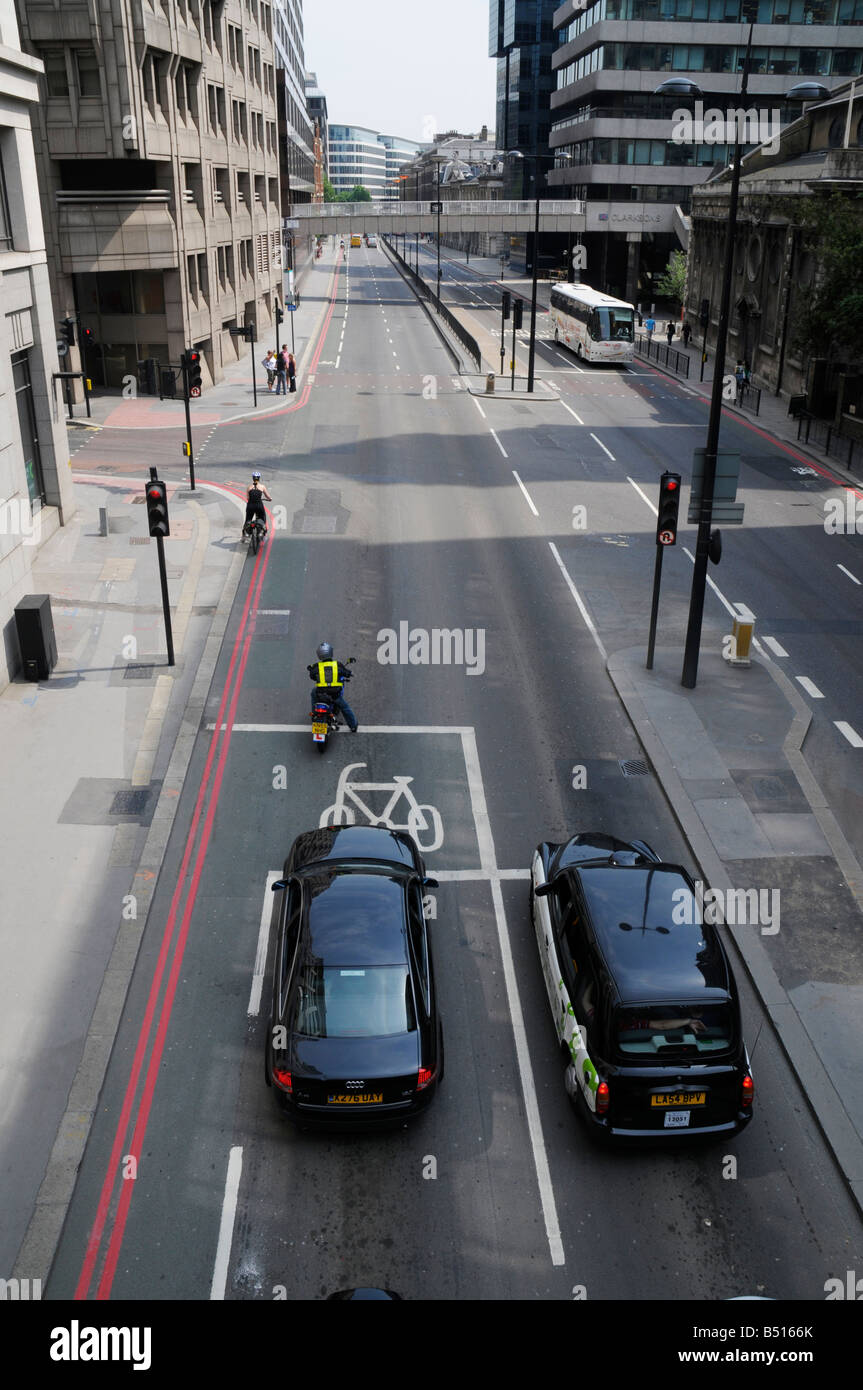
<point>137,673</point>
<point>318,525</point>
<point>633,767</point>
<point>129,803</point>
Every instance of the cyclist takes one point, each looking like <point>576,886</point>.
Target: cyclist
<point>255,497</point>
<point>329,674</point>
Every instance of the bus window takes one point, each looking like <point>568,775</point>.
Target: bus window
<point>612,324</point>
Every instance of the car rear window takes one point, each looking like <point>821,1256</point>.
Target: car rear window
<point>361,1001</point>
<point>673,1030</point>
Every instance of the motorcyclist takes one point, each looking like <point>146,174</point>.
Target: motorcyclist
<point>255,503</point>
<point>329,674</point>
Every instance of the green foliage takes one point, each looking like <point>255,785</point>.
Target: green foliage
<point>672,282</point>
<point>828,318</point>
<point>330,194</point>
<point>357,194</point>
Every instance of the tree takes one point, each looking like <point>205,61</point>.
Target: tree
<point>358,194</point>
<point>827,317</point>
<point>330,194</point>
<point>671,284</point>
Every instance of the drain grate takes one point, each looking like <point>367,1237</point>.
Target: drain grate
<point>633,767</point>
<point>139,540</point>
<point>138,673</point>
<point>129,803</point>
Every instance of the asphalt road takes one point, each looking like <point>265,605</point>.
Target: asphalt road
<point>400,504</point>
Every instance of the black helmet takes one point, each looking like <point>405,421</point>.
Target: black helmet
<point>325,651</point>
<point>256,477</point>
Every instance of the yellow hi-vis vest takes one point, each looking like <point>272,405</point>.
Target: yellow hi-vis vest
<point>328,674</point>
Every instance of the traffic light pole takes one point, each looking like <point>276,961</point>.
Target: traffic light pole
<point>654,607</point>
<point>191,451</point>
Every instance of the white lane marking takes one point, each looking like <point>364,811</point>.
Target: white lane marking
<point>254,1007</point>
<point>338,359</point>
<point>809,687</point>
<point>602,446</point>
<point>851,576</point>
<point>478,406</point>
<point>226,1225</point>
<point>776,647</point>
<point>488,859</point>
<point>499,445</point>
<point>282,612</point>
<point>572,412</point>
<point>527,495</point>
<point>718,592</point>
<point>576,595</point>
<point>643,495</point>
<point>851,734</point>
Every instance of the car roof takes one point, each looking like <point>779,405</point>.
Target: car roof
<point>356,917</point>
<point>638,914</point>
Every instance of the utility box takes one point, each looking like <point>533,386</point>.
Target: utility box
<point>36,638</point>
<point>489,384</point>
<point>742,630</point>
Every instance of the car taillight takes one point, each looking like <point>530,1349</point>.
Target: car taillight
<point>283,1078</point>
<point>747,1091</point>
<point>602,1098</point>
<point>425,1076</point>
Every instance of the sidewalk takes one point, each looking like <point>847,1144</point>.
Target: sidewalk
<point>94,762</point>
<point>233,397</point>
<point>728,757</point>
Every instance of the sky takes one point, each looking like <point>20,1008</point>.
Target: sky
<point>403,67</point>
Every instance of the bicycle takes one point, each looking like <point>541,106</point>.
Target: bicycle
<point>257,531</point>
<point>417,822</point>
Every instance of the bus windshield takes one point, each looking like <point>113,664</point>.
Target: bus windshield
<point>608,324</point>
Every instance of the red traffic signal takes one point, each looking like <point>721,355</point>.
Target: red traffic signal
<point>157,507</point>
<point>191,361</point>
<point>669,507</point>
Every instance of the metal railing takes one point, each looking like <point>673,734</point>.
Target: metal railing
<point>749,398</point>
<point>653,349</point>
<point>837,445</point>
<point>496,207</point>
<point>458,330</point>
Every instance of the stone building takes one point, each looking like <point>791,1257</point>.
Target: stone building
<point>35,483</point>
<point>158,165</point>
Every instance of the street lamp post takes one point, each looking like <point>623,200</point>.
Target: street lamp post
<point>683,87</point>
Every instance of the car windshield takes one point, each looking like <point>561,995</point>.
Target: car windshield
<point>660,1030</point>
<point>363,1001</point>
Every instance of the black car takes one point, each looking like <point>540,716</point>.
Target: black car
<point>641,992</point>
<point>354,1039</point>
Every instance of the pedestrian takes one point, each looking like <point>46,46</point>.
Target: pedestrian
<point>649,325</point>
<point>282,371</point>
<point>740,378</point>
<point>269,363</point>
<point>669,332</point>
<point>292,372</point>
<point>687,333</point>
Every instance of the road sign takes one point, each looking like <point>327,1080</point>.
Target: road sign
<point>62,347</point>
<point>436,207</point>
<point>290,308</point>
<point>194,390</point>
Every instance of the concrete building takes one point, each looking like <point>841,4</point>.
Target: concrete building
<point>35,483</point>
<point>471,169</point>
<point>776,266</point>
<point>316,104</point>
<point>358,155</point>
<point>296,132</point>
<point>158,167</point>
<point>615,140</point>
<point>521,38</point>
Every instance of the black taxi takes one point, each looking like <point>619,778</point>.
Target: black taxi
<point>641,992</point>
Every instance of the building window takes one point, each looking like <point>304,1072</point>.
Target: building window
<point>5,219</point>
<point>56,75</point>
<point>27,426</point>
<point>89,81</point>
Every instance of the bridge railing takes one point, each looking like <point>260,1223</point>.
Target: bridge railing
<point>460,207</point>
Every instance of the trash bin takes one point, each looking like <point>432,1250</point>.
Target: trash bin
<point>489,384</point>
<point>35,627</point>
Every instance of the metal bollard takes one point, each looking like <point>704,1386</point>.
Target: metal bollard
<point>489,384</point>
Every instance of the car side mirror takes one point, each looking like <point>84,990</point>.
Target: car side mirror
<point>280,883</point>
<point>543,890</point>
<point>430,883</point>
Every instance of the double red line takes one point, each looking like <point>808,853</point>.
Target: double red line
<point>107,1230</point>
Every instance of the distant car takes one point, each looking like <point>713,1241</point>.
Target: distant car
<point>356,239</point>
<point>354,1039</point>
<point>641,992</point>
<point>371,241</point>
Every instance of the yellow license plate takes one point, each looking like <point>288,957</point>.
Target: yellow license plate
<point>672,1099</point>
<point>373,1098</point>
<point>319,728</point>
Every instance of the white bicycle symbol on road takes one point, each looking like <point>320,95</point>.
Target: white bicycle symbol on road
<point>420,819</point>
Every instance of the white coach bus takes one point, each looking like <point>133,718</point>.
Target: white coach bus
<point>596,327</point>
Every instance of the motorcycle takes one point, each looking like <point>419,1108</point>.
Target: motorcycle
<point>326,719</point>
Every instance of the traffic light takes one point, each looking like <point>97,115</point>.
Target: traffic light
<point>669,506</point>
<point>704,316</point>
<point>280,317</point>
<point>505,303</point>
<point>87,338</point>
<point>68,326</point>
<point>191,361</point>
<point>517,311</point>
<point>157,508</point>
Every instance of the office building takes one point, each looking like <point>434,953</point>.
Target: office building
<point>358,155</point>
<point>521,38</point>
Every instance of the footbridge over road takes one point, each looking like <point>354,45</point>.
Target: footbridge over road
<point>464,215</point>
